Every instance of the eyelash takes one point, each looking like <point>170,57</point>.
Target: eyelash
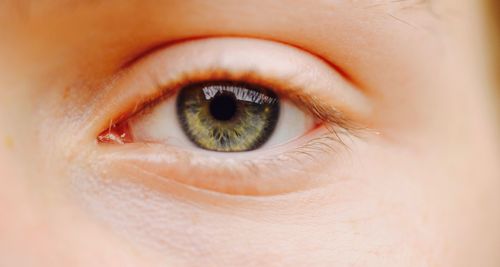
<point>326,116</point>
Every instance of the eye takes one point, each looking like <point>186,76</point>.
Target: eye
<point>223,116</point>
<point>177,113</point>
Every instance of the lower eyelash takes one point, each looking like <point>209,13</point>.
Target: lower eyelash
<point>238,176</point>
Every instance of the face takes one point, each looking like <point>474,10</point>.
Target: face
<point>247,133</point>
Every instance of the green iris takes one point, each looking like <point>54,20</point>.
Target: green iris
<point>227,116</point>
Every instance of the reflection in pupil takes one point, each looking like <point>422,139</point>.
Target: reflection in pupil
<point>223,106</point>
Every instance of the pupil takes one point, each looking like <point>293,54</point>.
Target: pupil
<point>223,106</point>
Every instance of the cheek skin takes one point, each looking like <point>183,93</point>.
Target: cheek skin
<point>360,219</point>
<point>40,228</point>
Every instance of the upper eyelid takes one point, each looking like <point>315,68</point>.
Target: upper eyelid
<point>146,80</point>
<point>325,113</point>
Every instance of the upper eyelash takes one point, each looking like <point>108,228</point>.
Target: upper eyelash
<point>327,115</point>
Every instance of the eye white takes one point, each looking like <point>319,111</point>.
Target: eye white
<point>161,125</point>
<point>292,124</point>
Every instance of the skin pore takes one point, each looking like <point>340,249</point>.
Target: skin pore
<point>413,183</point>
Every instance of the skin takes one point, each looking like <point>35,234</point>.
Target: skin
<point>417,187</point>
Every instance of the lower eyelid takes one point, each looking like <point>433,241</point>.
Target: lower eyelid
<point>277,172</point>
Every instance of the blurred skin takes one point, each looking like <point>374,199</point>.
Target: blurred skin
<point>419,190</point>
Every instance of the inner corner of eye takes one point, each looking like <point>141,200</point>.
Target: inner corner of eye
<point>119,133</point>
